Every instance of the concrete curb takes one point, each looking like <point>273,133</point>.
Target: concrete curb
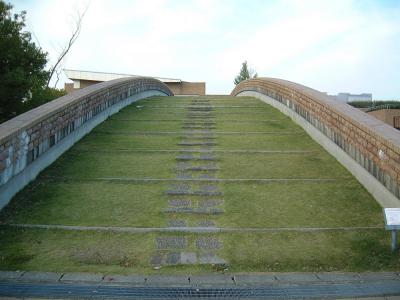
<point>240,279</point>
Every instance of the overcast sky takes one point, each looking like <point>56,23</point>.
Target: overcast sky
<point>330,45</point>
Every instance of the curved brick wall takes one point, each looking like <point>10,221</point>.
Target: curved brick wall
<point>31,141</point>
<point>371,143</point>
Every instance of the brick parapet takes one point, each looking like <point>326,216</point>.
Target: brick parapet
<point>28,136</point>
<point>370,142</point>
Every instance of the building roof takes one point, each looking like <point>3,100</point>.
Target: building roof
<point>102,76</point>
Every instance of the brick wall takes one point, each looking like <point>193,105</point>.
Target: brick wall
<point>29,136</point>
<point>187,88</point>
<point>386,115</point>
<point>177,88</point>
<point>372,143</point>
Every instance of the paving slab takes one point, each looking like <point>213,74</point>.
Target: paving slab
<point>255,279</point>
<point>210,203</point>
<point>171,242</point>
<point>179,202</point>
<point>156,260</point>
<point>184,176</point>
<point>296,277</point>
<point>192,193</point>
<point>173,258</point>
<point>177,223</point>
<point>188,258</point>
<point>41,276</point>
<point>11,275</point>
<point>166,279</point>
<point>212,279</point>
<point>190,143</point>
<point>82,277</point>
<point>206,223</point>
<point>338,277</point>
<point>211,259</point>
<point>124,279</point>
<point>379,276</point>
<point>190,210</point>
<point>208,243</point>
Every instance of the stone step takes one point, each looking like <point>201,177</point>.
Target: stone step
<point>198,168</point>
<point>185,258</point>
<point>193,210</point>
<point>171,242</point>
<point>186,203</point>
<point>198,127</point>
<point>188,123</point>
<point>199,137</point>
<point>187,143</point>
<point>193,193</point>
<point>177,223</point>
<point>194,158</point>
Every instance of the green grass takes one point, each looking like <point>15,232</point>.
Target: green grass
<point>109,142</point>
<point>62,251</point>
<point>272,142</point>
<point>333,204</point>
<point>89,204</point>
<point>278,165</point>
<point>88,164</point>
<point>67,194</point>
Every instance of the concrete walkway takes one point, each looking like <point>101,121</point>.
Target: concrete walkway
<point>239,286</point>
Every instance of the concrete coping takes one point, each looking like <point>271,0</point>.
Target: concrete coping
<point>38,114</point>
<point>354,116</point>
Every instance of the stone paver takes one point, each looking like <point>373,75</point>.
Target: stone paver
<point>210,203</point>
<point>192,210</point>
<point>124,279</point>
<point>211,258</point>
<point>173,258</point>
<point>179,202</point>
<point>171,242</point>
<point>206,223</point>
<point>177,223</point>
<point>156,260</point>
<point>188,258</point>
<point>208,243</point>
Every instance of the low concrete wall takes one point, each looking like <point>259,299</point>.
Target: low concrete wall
<point>367,147</point>
<point>32,141</point>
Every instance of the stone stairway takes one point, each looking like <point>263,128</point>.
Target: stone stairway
<point>193,194</point>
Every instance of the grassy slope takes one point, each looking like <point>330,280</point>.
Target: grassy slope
<point>278,204</point>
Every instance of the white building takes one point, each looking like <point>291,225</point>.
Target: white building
<point>347,97</point>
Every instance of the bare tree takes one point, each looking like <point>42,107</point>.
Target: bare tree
<point>54,70</point>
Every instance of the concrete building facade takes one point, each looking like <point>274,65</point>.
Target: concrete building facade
<point>347,97</point>
<point>82,79</point>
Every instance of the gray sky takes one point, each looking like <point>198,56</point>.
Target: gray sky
<point>330,45</point>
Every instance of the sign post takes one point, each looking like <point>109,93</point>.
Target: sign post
<point>392,223</point>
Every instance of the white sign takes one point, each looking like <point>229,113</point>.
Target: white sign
<point>392,218</point>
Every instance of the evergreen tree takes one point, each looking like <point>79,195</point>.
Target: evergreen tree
<point>244,74</point>
<point>22,63</point>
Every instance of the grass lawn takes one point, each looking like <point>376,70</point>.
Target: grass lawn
<point>108,252</point>
<point>70,192</point>
<point>88,164</point>
<point>280,165</point>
